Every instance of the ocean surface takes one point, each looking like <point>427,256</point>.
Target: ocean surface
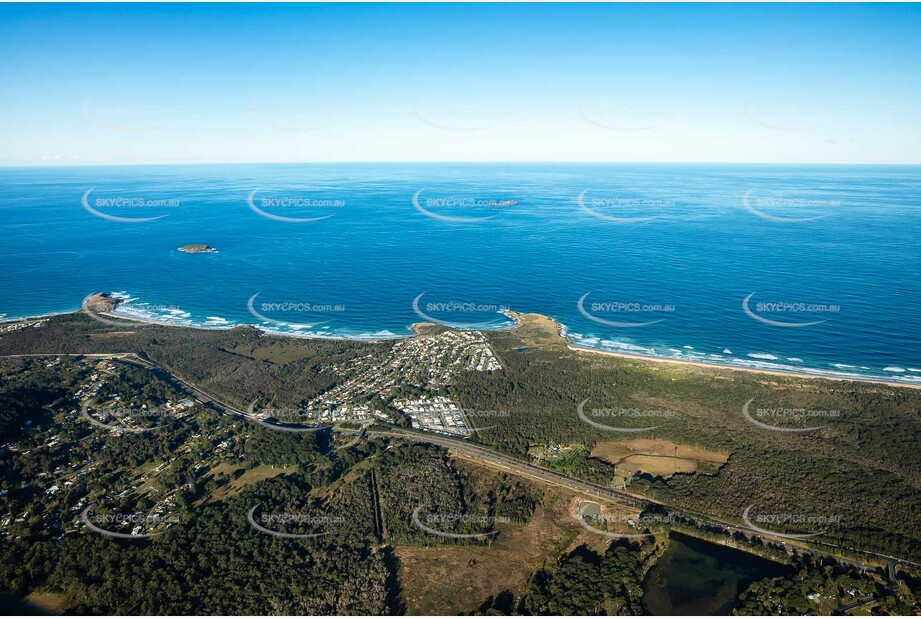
<point>651,259</point>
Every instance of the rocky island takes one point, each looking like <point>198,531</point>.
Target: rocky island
<point>197,248</point>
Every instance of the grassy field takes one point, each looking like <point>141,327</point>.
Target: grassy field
<point>660,458</point>
<point>236,485</point>
<point>456,579</point>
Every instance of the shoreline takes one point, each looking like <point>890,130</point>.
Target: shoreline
<point>570,345</point>
<point>515,316</point>
<point>726,367</point>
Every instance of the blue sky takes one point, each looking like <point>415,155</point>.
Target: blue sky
<point>165,83</point>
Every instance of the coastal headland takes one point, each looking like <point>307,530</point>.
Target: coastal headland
<point>534,329</point>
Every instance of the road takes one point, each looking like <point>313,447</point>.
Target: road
<point>519,467</point>
<point>523,468</point>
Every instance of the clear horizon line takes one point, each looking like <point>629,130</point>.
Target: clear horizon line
<point>451,161</point>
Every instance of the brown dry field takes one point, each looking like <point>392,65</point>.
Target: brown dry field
<point>50,602</point>
<point>657,457</point>
<point>456,579</point>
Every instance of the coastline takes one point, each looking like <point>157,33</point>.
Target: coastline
<point>725,367</point>
<point>570,345</point>
<point>414,331</point>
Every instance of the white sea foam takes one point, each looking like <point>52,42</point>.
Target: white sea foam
<point>133,307</point>
<point>628,347</point>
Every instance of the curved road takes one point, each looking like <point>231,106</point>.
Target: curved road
<point>513,465</point>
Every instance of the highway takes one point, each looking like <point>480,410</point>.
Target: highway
<point>522,468</point>
<point>516,466</point>
<point>470,450</point>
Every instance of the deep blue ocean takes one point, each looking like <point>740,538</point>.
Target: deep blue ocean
<point>662,257</point>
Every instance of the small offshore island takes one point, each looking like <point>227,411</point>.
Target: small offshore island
<point>197,248</point>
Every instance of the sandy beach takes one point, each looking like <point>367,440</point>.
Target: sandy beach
<point>718,367</point>
<point>419,328</point>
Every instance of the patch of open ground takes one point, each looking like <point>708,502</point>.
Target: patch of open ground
<point>604,518</point>
<point>259,473</point>
<point>355,473</point>
<point>50,602</point>
<point>277,354</point>
<point>659,457</point>
<point>116,334</point>
<point>457,579</point>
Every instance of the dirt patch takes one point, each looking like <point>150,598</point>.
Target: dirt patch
<point>657,466</point>
<point>615,517</point>
<point>50,602</point>
<point>452,580</point>
<point>659,457</point>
